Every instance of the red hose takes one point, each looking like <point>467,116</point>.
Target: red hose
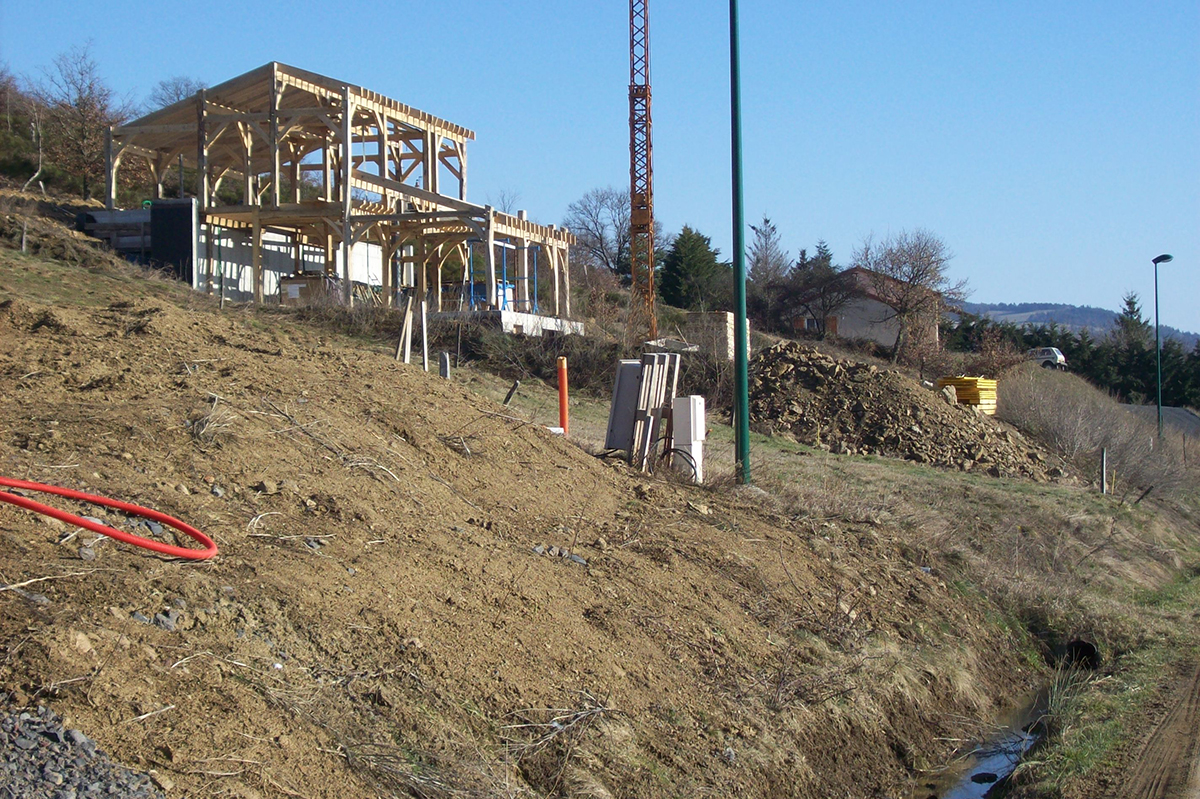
<point>209,550</point>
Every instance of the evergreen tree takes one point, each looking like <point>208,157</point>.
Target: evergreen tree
<point>692,277</point>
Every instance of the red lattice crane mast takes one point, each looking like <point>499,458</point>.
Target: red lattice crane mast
<point>643,321</point>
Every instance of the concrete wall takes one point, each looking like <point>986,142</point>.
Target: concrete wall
<point>713,332</point>
<point>232,257</point>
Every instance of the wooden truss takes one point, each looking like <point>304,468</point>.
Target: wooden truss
<point>375,164</point>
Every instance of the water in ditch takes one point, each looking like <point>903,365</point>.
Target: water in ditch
<point>979,772</point>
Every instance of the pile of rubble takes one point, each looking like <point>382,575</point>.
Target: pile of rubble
<point>854,408</point>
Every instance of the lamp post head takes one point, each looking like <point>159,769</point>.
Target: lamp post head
<point>1162,259</point>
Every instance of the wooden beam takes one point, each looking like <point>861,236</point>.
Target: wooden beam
<point>132,130</point>
<point>347,174</point>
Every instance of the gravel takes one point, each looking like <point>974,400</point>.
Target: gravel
<point>40,759</point>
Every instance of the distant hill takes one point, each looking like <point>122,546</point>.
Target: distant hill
<point>1098,321</point>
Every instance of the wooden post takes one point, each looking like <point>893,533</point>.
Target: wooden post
<point>404,343</point>
<point>256,255</point>
<point>202,182</point>
<point>327,169</point>
<point>566,268</point>
<point>557,298</point>
<point>1103,470</point>
<point>208,256</point>
<point>462,169</point>
<point>273,132</point>
<point>490,256</point>
<point>389,285</point>
<point>251,195</point>
<point>347,153</point>
<point>181,176</point>
<point>423,294</point>
<point>110,174</point>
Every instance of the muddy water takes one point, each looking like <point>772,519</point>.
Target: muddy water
<point>984,767</point>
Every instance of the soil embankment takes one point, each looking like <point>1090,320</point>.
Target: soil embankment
<point>379,618</point>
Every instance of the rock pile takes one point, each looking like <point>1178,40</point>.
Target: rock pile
<point>40,758</point>
<point>854,408</point>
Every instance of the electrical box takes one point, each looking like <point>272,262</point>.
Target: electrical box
<point>689,428</point>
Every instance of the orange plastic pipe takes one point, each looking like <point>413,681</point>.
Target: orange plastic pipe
<point>562,395</point>
<point>209,550</point>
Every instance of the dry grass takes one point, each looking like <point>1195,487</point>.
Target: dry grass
<point>1077,420</point>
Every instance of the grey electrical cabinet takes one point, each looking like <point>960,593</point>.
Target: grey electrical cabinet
<point>622,412</point>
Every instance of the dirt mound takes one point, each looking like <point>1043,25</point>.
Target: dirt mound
<point>385,617</point>
<point>855,408</point>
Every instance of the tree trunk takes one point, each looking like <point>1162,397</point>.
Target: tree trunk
<point>898,344</point>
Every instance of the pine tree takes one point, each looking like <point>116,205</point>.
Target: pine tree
<point>692,277</point>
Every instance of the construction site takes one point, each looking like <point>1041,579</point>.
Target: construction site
<point>248,550</point>
<point>340,193</point>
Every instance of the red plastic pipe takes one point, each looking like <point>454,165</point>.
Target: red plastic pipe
<point>562,395</point>
<point>210,548</point>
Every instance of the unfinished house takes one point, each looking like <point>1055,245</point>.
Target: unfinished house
<point>307,186</point>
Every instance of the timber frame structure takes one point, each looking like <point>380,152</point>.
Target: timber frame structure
<point>377,167</point>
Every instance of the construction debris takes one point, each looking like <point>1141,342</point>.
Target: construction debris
<point>854,408</point>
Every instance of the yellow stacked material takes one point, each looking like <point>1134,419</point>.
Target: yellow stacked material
<point>973,391</point>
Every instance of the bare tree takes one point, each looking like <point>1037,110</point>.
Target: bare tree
<point>507,201</point>
<point>35,132</point>
<point>79,108</point>
<point>172,90</point>
<point>908,272</point>
<point>600,222</point>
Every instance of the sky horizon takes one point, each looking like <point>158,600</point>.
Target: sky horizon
<point>1055,148</point>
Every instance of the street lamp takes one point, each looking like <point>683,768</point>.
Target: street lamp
<point>1162,259</point>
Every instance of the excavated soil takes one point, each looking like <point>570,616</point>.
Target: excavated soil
<point>391,614</point>
<point>855,408</point>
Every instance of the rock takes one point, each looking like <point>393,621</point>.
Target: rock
<point>82,643</point>
<point>137,615</point>
<point>87,553</point>
<point>291,486</point>
<point>167,620</point>
<point>540,549</point>
<point>577,559</point>
<point>217,492</point>
<point>53,523</point>
<point>266,487</point>
<point>162,780</point>
<point>25,743</point>
<point>554,552</point>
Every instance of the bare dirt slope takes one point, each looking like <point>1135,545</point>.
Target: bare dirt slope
<point>378,621</point>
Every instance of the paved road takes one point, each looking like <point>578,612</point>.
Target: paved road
<point>1181,419</point>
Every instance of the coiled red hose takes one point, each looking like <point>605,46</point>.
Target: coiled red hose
<point>209,550</point>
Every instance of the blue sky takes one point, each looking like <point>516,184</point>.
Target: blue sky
<point>1055,146</point>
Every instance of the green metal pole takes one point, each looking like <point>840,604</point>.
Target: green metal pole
<point>1157,350</point>
<point>741,355</point>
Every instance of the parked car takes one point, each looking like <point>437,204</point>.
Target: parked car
<point>1048,357</point>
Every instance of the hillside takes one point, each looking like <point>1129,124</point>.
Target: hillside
<point>385,617</point>
<point>1097,321</point>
